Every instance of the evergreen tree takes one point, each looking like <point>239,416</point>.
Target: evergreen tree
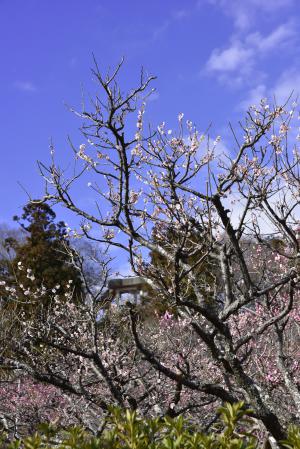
<point>45,254</point>
<point>190,249</point>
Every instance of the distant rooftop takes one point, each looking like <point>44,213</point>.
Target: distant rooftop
<point>126,284</point>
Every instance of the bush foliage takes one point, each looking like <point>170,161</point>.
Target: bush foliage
<point>127,430</point>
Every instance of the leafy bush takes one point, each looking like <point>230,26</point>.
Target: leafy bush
<point>127,430</point>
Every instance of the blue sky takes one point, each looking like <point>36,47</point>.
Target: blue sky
<point>212,58</point>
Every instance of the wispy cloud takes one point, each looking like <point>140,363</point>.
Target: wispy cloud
<point>233,58</point>
<point>285,34</point>
<point>237,61</point>
<point>254,96</point>
<point>159,30</point>
<point>286,86</point>
<point>245,12</point>
<point>25,86</point>
<point>180,14</point>
<point>175,16</point>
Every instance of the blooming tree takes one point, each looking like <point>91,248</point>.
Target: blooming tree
<point>234,337</point>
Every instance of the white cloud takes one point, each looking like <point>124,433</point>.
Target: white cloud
<point>230,59</point>
<point>236,206</point>
<point>221,149</point>
<point>237,62</point>
<point>25,86</point>
<point>254,97</point>
<point>282,36</point>
<point>287,85</point>
<point>158,31</point>
<point>175,16</point>
<point>245,12</point>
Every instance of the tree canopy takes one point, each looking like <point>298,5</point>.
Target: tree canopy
<point>210,222</point>
<point>44,259</point>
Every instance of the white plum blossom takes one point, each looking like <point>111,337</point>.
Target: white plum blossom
<point>283,128</point>
<point>217,140</point>
<point>161,128</point>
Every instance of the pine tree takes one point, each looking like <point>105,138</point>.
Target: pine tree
<point>45,254</point>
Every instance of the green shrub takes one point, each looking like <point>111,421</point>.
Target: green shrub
<point>127,430</point>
